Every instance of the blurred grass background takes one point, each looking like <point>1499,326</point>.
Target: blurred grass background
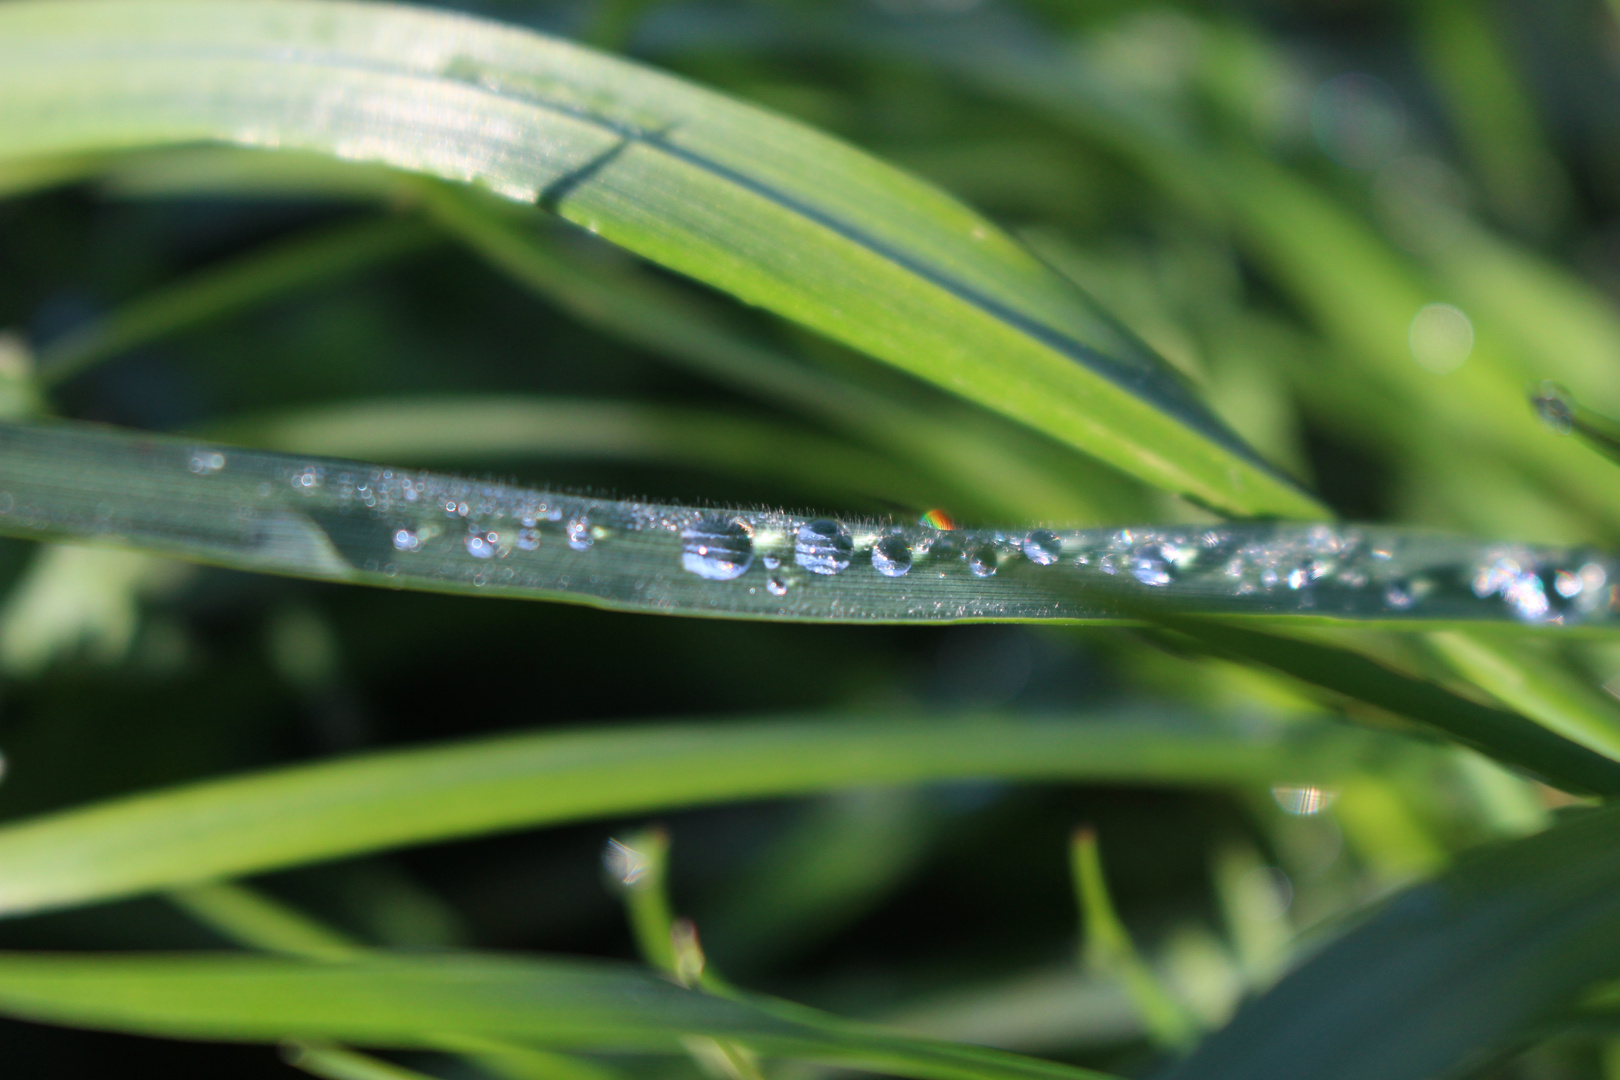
<point>1269,193</point>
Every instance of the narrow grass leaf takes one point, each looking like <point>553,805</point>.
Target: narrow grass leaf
<point>307,813</point>
<point>344,521</point>
<point>1447,974</point>
<point>398,1001</point>
<point>770,211</point>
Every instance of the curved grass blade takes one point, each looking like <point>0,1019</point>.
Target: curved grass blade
<point>398,1001</point>
<point>1448,974</point>
<point>287,817</point>
<point>297,262</point>
<point>345,521</point>
<point>774,213</point>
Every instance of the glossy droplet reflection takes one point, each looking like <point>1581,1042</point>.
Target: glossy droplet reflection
<point>1150,564</point>
<point>482,545</point>
<point>983,560</point>
<point>1043,547</point>
<point>406,540</point>
<point>579,533</point>
<point>717,548</point>
<point>891,556</point>
<point>776,586</point>
<point>823,547</point>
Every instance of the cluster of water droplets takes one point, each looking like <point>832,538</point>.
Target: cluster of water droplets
<point>1344,571</point>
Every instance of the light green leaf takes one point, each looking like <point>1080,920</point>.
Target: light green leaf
<point>772,212</point>
<point>286,817</point>
<point>399,1001</point>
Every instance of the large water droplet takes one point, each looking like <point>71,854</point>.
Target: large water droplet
<point>823,547</point>
<point>579,533</point>
<point>1151,565</point>
<point>1043,548</point>
<point>982,560</point>
<point>891,556</point>
<point>717,548</point>
<point>776,586</point>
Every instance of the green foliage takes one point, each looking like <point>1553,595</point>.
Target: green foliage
<point>272,271</point>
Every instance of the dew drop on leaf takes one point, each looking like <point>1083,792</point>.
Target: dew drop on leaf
<point>717,548</point>
<point>823,547</point>
<point>891,556</point>
<point>982,560</point>
<point>1151,566</point>
<point>579,533</point>
<point>1043,548</point>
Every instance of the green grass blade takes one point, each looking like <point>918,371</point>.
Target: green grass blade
<point>338,1063</point>
<point>1541,748</point>
<point>399,1001</point>
<point>772,212</point>
<point>298,262</point>
<point>344,521</point>
<point>1447,973</point>
<point>228,828</point>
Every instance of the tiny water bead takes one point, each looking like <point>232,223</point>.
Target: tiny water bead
<point>204,462</point>
<point>717,548</point>
<point>983,560</point>
<point>891,556</point>
<point>1151,565</point>
<point>483,545</point>
<point>406,540</point>
<point>776,586</point>
<point>528,539</point>
<point>823,547</point>
<point>579,533</point>
<point>1043,548</point>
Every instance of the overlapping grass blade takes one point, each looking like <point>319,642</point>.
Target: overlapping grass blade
<point>776,214</point>
<point>397,1001</point>
<point>228,828</point>
<point>1448,974</point>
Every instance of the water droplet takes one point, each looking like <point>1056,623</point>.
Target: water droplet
<point>483,545</point>
<point>771,561</point>
<point>823,547</point>
<point>1303,800</point>
<point>405,540</point>
<point>1043,548</point>
<point>891,556</point>
<point>528,539</point>
<point>579,533</point>
<point>716,548</point>
<point>1553,404</point>
<point>308,477</point>
<point>207,461</point>
<point>982,560</point>
<point>1151,565</point>
<point>776,586</point>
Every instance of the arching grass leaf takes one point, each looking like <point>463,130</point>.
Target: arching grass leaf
<point>770,211</point>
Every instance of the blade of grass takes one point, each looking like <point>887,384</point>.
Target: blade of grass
<point>774,213</point>
<point>338,1063</point>
<point>290,264</point>
<point>1107,948</point>
<point>253,919</point>
<point>1447,973</point>
<point>396,1000</point>
<point>344,521</point>
<point>286,817</point>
